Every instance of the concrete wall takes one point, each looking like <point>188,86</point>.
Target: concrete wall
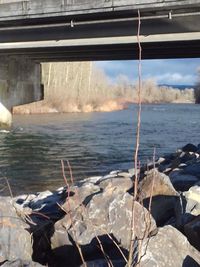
<point>14,9</point>
<point>20,81</point>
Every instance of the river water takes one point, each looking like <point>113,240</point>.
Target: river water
<point>94,144</point>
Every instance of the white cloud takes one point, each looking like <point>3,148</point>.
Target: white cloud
<point>172,71</point>
<point>175,78</point>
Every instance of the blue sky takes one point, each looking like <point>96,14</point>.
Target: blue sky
<point>171,71</point>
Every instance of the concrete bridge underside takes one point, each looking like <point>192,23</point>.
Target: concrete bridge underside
<point>34,31</point>
<point>48,30</point>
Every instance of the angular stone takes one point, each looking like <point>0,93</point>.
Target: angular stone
<point>193,200</point>
<point>120,217</point>
<point>21,263</point>
<point>193,169</point>
<point>156,184</point>
<point>156,189</point>
<point>169,248</point>
<point>124,174</point>
<point>107,213</point>
<point>189,148</point>
<point>93,179</point>
<point>131,171</point>
<point>186,157</point>
<point>182,182</point>
<point>117,184</point>
<point>15,241</point>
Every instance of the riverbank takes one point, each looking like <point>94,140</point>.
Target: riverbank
<point>44,107</point>
<point>91,219</point>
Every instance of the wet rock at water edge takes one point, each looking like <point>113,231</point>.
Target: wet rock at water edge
<point>187,157</point>
<point>182,181</point>
<point>189,148</point>
<point>193,169</point>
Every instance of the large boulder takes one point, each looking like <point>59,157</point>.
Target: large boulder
<point>44,210</point>
<point>106,216</point>
<point>15,240</point>
<point>169,248</point>
<point>156,189</point>
<point>156,183</point>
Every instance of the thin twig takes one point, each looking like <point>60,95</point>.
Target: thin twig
<point>153,181</point>
<point>69,209</point>
<point>70,172</point>
<point>131,247</point>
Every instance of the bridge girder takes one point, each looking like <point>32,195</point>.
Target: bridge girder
<point>60,30</point>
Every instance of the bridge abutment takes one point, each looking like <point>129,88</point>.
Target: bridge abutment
<point>20,83</point>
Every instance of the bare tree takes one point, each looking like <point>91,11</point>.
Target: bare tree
<point>197,89</point>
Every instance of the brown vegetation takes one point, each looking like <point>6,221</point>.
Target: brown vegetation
<point>82,87</point>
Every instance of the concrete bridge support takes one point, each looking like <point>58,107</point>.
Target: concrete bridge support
<point>20,83</point>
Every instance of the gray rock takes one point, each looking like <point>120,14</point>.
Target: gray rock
<point>192,231</point>
<point>82,195</point>
<point>124,174</point>
<point>193,169</point>
<point>193,200</point>
<point>189,148</point>
<point>46,203</point>
<point>15,241</point>
<point>169,248</point>
<point>107,213</point>
<point>131,171</point>
<point>160,160</point>
<point>21,263</point>
<point>156,183</point>
<point>115,172</point>
<point>93,179</point>
<point>119,184</point>
<point>157,189</point>
<point>187,157</point>
<point>182,182</point>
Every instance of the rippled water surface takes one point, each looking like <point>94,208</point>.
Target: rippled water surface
<point>94,143</point>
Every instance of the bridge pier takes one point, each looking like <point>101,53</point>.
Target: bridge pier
<point>20,83</point>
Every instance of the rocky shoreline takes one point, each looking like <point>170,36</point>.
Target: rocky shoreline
<point>88,223</point>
